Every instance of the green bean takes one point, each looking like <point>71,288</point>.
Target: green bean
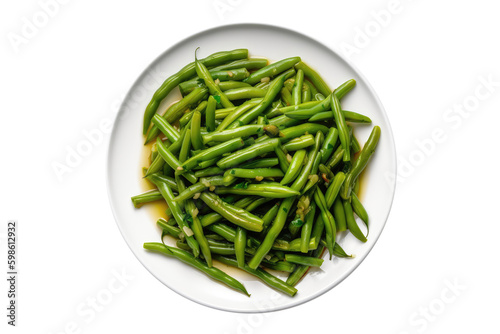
<point>334,188</point>
<point>271,93</point>
<point>339,215</point>
<point>295,167</point>
<point>319,97</point>
<point>235,215</point>
<point>314,77</point>
<point>288,84</point>
<point>360,163</point>
<point>263,275</point>
<point>313,89</point>
<point>209,172</point>
<point>165,127</point>
<point>156,165</point>
<point>184,120</point>
<point>345,88</point>
<point>221,248</point>
<point>249,64</point>
<point>329,144</point>
<point>244,93</point>
<point>271,70</point>
<point>300,130</point>
<point>228,85</point>
<point>285,206</point>
<point>168,195</point>
<point>287,267</point>
<point>360,210</point>
<point>300,271</point>
<point>350,116</point>
<point>286,97</point>
<point>256,203</point>
<point>271,190</point>
<point>172,230</point>
<point>235,74</point>
<point>352,225</point>
<point>210,114</point>
<point>282,158</point>
<point>297,87</point>
<point>211,153</point>
<point>203,73</point>
<point>304,260</point>
<point>255,173</point>
<point>294,245</point>
<point>354,143</point>
<point>186,145</point>
<point>328,220</point>
<point>223,230</point>
<point>197,229</point>
<point>196,140</point>
<point>171,160</point>
<point>355,189</point>
<point>261,163</point>
<point>306,230</point>
<point>188,258</point>
<point>336,157</point>
<point>190,191</point>
<point>306,93</point>
<point>176,110</point>
<point>342,126</point>
<point>299,143</point>
<point>248,153</point>
<point>185,73</point>
<point>240,242</point>
<point>240,110</point>
<point>242,131</point>
<point>283,110</point>
<point>148,196</point>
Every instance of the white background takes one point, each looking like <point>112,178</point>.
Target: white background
<point>70,74</point>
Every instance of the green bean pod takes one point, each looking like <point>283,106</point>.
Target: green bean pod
<point>295,167</point>
<point>176,110</point>
<point>240,242</point>
<point>263,275</point>
<point>244,93</point>
<point>148,196</point>
<point>235,215</point>
<point>189,259</point>
<point>228,85</point>
<point>184,74</point>
<point>271,190</point>
<point>306,230</point>
<point>315,78</point>
<point>360,163</point>
<point>360,210</point>
<point>248,153</point>
<point>329,144</point>
<point>261,163</point>
<point>271,70</point>
<point>203,73</point>
<point>168,195</point>
<point>339,215</point>
<point>299,143</point>
<point>255,172</point>
<point>304,260</point>
<point>352,225</point>
<point>342,126</point>
<point>211,153</point>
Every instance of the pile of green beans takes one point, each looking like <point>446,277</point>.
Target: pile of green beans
<point>259,166</point>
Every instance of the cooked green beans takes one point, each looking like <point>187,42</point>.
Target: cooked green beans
<point>271,181</point>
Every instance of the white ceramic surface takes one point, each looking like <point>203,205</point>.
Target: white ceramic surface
<point>138,225</point>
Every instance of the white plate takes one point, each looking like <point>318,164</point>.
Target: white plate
<point>138,225</point>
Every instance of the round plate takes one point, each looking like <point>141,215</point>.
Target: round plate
<point>126,148</point>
